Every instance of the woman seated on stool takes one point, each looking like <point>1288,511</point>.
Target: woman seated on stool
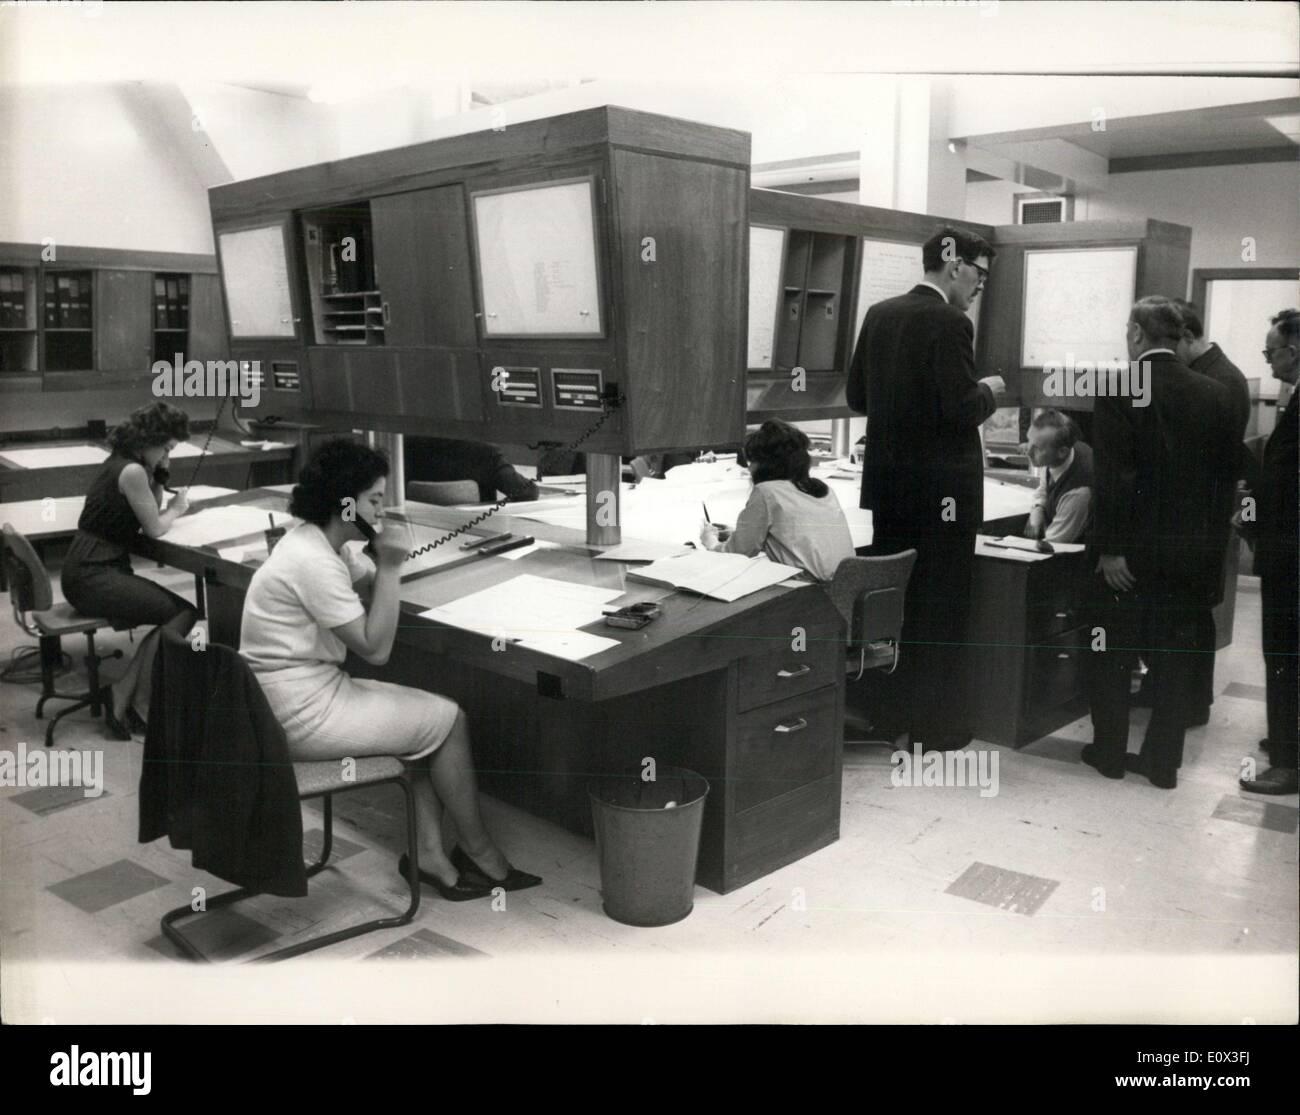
<point>790,516</point>
<point>303,614</point>
<point>124,499</point>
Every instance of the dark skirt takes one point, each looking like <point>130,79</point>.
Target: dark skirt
<point>98,583</point>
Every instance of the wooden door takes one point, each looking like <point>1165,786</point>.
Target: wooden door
<point>422,268</point>
<point>123,321</point>
<point>207,339</point>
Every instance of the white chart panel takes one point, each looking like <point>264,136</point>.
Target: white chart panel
<point>256,276</point>
<point>1237,313</point>
<point>766,266</point>
<point>537,261</point>
<point>888,270</point>
<point>1077,302</point>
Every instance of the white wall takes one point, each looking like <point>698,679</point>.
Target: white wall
<point>1221,205</point>
<point>77,166</point>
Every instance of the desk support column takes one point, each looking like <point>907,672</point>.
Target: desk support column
<point>604,524</point>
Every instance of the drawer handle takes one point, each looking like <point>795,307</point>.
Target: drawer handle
<point>1064,654</point>
<point>1062,615</point>
<point>803,669</point>
<point>798,726</point>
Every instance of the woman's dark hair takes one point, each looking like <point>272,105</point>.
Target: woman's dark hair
<point>148,428</point>
<point>780,452</point>
<point>338,470</point>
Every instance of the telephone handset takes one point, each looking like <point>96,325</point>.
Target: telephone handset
<point>162,476</point>
<point>370,535</point>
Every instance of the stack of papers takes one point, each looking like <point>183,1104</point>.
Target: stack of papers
<point>721,576</point>
<point>541,613</point>
<point>1013,548</point>
<point>637,550</point>
<point>222,524</point>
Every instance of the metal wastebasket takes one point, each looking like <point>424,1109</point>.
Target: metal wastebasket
<point>648,841</point>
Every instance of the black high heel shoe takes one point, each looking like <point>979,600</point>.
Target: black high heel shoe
<point>514,880</point>
<point>116,729</point>
<point>462,892</point>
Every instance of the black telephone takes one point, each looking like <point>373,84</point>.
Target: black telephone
<point>370,535</point>
<point>162,476</point>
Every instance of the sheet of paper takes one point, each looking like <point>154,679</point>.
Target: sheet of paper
<point>55,456</point>
<point>637,550</point>
<point>1031,545</point>
<point>187,449</point>
<point>573,645</point>
<point>222,524</point>
<point>527,608</point>
<point>201,492</point>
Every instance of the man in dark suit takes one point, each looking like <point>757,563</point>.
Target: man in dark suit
<point>1165,476</point>
<point>913,375</point>
<point>1277,555</point>
<point>1209,359</point>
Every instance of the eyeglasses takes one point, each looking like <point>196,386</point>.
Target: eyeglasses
<point>983,271</point>
<point>1268,352</point>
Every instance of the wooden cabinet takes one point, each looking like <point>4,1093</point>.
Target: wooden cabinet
<point>101,317</point>
<point>605,245</point>
<point>422,267</point>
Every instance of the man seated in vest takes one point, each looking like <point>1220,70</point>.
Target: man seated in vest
<point>1063,503</point>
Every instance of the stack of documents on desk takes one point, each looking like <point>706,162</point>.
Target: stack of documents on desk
<point>541,613</point>
<point>222,524</point>
<point>1020,549</point>
<point>721,576</point>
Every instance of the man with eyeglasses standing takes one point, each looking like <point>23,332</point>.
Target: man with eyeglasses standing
<point>913,375</point>
<point>1277,555</point>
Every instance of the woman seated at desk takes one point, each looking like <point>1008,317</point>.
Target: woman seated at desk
<point>790,516</point>
<point>303,614</point>
<point>124,499</point>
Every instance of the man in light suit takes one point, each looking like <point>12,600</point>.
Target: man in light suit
<point>1166,473</point>
<point>913,375</point>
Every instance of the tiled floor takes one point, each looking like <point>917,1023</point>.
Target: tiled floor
<point>1060,866</point>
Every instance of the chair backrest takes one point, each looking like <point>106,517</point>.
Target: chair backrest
<point>869,593</point>
<point>443,493</point>
<point>29,583</point>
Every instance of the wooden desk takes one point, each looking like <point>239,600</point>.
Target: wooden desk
<point>714,687</point>
<point>228,465</point>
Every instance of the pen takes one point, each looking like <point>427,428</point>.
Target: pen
<point>487,540</point>
<point>706,511</point>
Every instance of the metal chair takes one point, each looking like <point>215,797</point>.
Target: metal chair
<point>31,594</point>
<point>315,780</point>
<point>869,593</point>
<point>443,493</point>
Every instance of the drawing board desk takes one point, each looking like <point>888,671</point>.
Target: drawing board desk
<point>718,688</point>
<point>33,471</point>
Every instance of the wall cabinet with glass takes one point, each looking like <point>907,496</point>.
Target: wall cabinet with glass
<point>99,317</point>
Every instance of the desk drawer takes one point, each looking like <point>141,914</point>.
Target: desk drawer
<point>783,830</point>
<point>780,672</point>
<point>1056,670</point>
<point>1053,598</point>
<point>783,746</point>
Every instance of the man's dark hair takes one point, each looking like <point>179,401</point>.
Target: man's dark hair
<point>338,470</point>
<point>148,428</point>
<point>780,452</point>
<point>1191,318</point>
<point>1159,318</point>
<point>952,243</point>
<point>1066,433</point>
<point>1287,322</point>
